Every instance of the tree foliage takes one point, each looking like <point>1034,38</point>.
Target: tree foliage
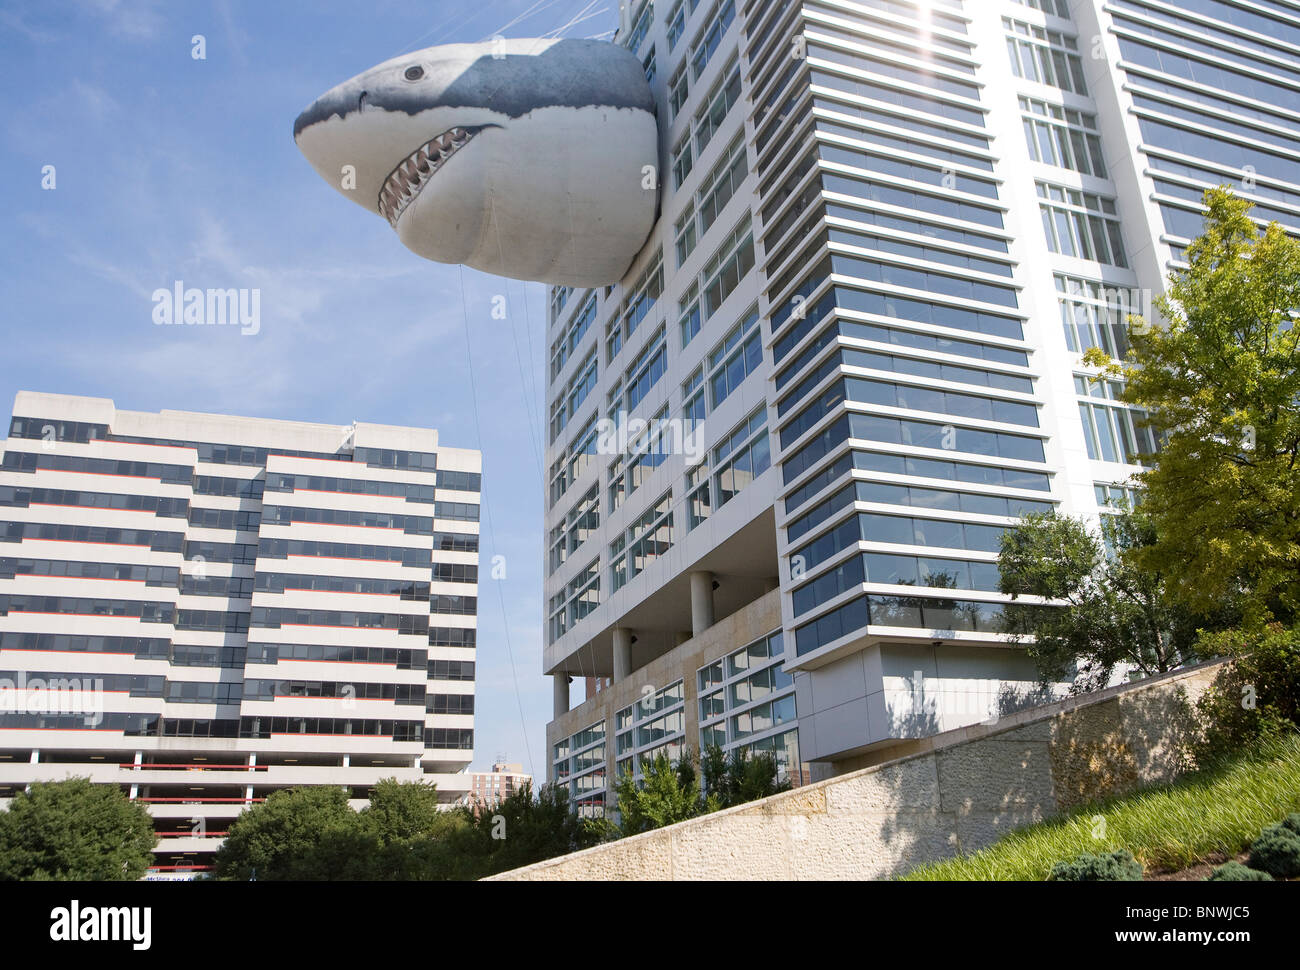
<point>1257,696</point>
<point>74,829</point>
<point>312,834</point>
<point>298,833</point>
<point>1110,611</point>
<point>668,793</point>
<point>523,828</point>
<point>399,811</point>
<point>1221,384</point>
<point>671,792</point>
<point>742,777</point>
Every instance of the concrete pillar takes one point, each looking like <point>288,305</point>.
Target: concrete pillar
<point>36,756</point>
<point>701,602</point>
<point>622,653</point>
<point>560,692</point>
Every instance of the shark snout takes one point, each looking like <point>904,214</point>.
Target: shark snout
<point>525,158</point>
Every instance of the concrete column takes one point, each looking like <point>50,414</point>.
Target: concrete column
<point>560,692</point>
<point>36,756</point>
<point>701,602</point>
<point>622,653</point>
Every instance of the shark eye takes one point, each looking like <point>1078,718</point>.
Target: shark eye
<point>414,73</point>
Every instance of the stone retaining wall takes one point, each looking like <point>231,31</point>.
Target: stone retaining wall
<point>949,794</point>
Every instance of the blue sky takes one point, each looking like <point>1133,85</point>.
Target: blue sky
<point>169,168</point>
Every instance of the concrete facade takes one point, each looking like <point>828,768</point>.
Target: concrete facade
<point>232,606</point>
<point>682,665</point>
<point>948,794</point>
<point>759,618</point>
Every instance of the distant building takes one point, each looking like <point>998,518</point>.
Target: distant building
<point>217,608</point>
<point>489,787</point>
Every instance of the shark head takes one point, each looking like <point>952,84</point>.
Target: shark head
<point>532,159</point>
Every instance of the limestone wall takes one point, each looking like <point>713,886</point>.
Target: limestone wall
<point>952,793</point>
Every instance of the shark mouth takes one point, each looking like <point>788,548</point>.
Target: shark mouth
<point>413,173</point>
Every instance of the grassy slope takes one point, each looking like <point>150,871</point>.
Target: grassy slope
<point>1167,827</point>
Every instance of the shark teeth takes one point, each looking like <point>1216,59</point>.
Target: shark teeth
<point>413,172</point>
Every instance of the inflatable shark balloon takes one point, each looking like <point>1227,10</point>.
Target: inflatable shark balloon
<point>532,159</point>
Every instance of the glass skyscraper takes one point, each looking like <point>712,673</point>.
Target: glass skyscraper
<point>849,356</point>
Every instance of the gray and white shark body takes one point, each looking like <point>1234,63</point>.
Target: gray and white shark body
<point>531,159</point>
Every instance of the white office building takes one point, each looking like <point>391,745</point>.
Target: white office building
<point>888,231</point>
<point>204,609</point>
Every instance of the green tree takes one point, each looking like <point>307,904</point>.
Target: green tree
<point>312,834</point>
<point>742,777</point>
<point>1114,611</point>
<point>401,810</point>
<point>436,853</point>
<point>717,777</point>
<point>519,830</point>
<point>298,833</point>
<point>402,835</point>
<point>74,829</point>
<point>671,791</point>
<point>668,793</point>
<point>1221,384</point>
<point>1254,698</point>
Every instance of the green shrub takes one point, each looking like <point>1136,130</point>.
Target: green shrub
<point>1291,822</point>
<point>1236,872</point>
<point>1117,866</point>
<point>1256,697</point>
<point>1277,851</point>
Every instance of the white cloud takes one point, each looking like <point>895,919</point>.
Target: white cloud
<point>133,19</point>
<point>99,104</point>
